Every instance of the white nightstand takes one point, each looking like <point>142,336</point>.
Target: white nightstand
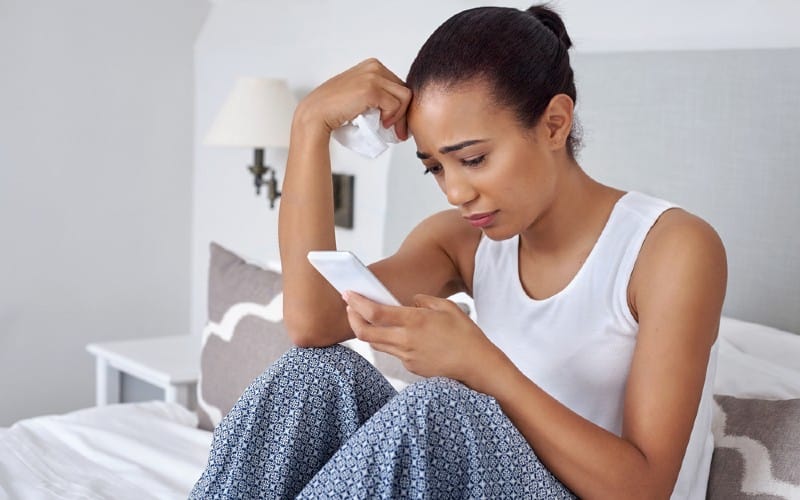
<point>171,363</point>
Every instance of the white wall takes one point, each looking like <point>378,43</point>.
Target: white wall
<point>310,41</point>
<point>617,25</point>
<point>96,116</point>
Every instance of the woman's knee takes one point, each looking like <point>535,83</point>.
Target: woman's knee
<point>335,370</point>
<point>320,361</point>
<point>334,352</point>
<point>442,390</point>
<point>437,385</point>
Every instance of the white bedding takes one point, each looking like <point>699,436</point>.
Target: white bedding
<point>757,361</point>
<point>126,451</point>
<point>153,449</point>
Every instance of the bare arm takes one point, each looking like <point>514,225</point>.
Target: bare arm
<point>313,311</point>
<point>306,223</point>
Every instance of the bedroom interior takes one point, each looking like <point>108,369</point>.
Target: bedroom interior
<point>146,255</point>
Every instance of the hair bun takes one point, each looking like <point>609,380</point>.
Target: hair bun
<point>552,21</point>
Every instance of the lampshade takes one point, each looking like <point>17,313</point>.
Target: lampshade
<point>257,114</point>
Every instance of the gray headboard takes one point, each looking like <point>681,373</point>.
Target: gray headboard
<point>717,132</point>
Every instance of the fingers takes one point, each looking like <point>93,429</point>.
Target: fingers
<point>393,112</point>
<point>346,95</point>
<point>369,332</point>
<point>398,117</point>
<point>434,303</point>
<point>373,312</point>
<point>373,65</point>
<point>388,349</point>
<point>389,105</point>
<point>384,339</point>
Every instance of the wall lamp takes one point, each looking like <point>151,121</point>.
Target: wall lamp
<point>257,114</point>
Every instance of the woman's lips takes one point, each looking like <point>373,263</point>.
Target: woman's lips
<point>481,220</point>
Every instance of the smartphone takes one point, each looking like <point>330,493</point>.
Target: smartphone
<point>345,272</point>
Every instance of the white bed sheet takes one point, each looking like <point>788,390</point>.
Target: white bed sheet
<point>757,361</point>
<point>126,451</point>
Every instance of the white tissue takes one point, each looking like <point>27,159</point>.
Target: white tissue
<point>366,135</point>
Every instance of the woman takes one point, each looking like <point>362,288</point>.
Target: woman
<point>590,370</point>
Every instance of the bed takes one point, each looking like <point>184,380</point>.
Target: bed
<point>124,451</point>
<point>731,167</point>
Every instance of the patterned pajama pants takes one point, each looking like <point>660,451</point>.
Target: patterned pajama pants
<point>324,423</point>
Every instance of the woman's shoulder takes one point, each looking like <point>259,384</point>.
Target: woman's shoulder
<point>681,252</point>
<point>454,236</point>
<point>450,221</point>
<point>450,230</point>
<point>677,227</point>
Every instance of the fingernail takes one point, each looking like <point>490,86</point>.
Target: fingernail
<point>345,297</point>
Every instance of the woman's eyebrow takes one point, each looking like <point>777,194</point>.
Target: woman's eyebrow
<point>449,149</point>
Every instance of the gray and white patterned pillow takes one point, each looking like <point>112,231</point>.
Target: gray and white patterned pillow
<point>244,333</point>
<point>756,449</point>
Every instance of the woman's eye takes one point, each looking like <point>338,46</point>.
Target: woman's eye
<point>471,162</point>
<point>435,170</point>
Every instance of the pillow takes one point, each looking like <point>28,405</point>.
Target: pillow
<point>756,449</point>
<point>244,334</point>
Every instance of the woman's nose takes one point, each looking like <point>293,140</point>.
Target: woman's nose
<point>458,189</point>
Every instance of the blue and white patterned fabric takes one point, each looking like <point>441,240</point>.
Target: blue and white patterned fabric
<point>324,423</point>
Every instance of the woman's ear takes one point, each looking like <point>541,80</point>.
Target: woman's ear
<point>557,119</point>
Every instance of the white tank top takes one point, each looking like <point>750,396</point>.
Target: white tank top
<point>577,345</point>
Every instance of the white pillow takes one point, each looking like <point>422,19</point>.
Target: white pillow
<point>757,361</point>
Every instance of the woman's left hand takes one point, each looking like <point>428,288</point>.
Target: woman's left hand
<point>435,338</point>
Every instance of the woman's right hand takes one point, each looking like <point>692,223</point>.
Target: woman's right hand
<point>366,85</point>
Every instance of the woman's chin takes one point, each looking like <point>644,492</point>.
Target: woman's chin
<point>495,233</point>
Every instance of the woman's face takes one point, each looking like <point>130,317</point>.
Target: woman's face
<point>502,177</point>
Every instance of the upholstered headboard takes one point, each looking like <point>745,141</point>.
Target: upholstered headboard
<point>717,132</point>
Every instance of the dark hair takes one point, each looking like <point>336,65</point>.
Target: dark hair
<point>522,55</point>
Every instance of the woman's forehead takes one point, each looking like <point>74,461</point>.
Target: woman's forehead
<point>473,87</point>
<point>438,114</point>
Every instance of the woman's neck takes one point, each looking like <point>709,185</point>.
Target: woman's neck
<point>576,217</point>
